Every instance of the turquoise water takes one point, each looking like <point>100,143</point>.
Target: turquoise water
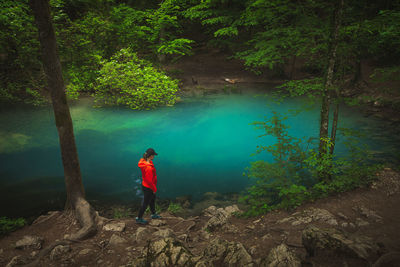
<point>203,144</point>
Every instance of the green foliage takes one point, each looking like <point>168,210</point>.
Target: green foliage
<point>8,225</point>
<point>305,87</point>
<point>21,73</point>
<point>127,80</point>
<point>176,46</point>
<point>121,213</point>
<point>291,178</point>
<point>174,208</point>
<point>274,180</point>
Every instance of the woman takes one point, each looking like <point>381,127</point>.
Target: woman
<point>149,185</point>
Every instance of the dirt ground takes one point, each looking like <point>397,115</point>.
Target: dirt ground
<point>258,234</point>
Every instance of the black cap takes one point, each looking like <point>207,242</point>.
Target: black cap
<point>150,152</point>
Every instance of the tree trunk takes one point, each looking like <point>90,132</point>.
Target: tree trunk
<point>161,38</point>
<point>52,67</point>
<point>334,127</point>
<point>324,122</point>
<point>358,71</point>
<point>293,68</point>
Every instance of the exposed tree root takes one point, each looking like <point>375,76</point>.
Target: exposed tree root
<point>87,218</point>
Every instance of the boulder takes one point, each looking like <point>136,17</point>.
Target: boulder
<point>223,253</point>
<point>116,240</point>
<point>164,233</point>
<point>165,252</point>
<point>59,252</point>
<point>29,241</point>
<point>281,256</point>
<point>219,217</point>
<point>143,234</point>
<point>369,214</point>
<point>311,215</point>
<point>316,240</point>
<point>360,222</point>
<point>157,222</point>
<point>85,252</point>
<point>114,226</point>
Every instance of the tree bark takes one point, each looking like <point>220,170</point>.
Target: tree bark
<point>52,67</point>
<point>324,121</point>
<point>334,127</point>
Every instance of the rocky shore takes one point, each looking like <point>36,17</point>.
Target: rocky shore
<point>358,228</point>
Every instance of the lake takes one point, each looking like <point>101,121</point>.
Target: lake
<point>204,144</point>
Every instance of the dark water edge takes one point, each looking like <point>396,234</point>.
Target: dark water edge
<point>18,203</point>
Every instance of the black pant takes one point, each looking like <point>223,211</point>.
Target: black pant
<point>149,198</point>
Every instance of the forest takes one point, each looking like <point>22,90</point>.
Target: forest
<point>141,62</point>
<point>119,53</point>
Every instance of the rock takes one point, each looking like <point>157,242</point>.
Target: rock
<point>59,252</point>
<point>281,256</point>
<point>17,260</point>
<point>169,252</point>
<point>157,222</point>
<point>316,240</point>
<point>85,252</point>
<point>204,235</point>
<point>164,233</point>
<point>102,244</point>
<point>219,216</point>
<point>210,211</point>
<point>369,214</point>
<point>311,215</point>
<point>116,240</point>
<point>143,234</point>
<point>360,222</point>
<point>138,262</point>
<point>230,228</point>
<point>342,216</point>
<point>253,250</point>
<point>114,226</point>
<point>232,209</point>
<point>228,253</point>
<point>29,241</point>
<point>184,226</point>
<point>267,236</point>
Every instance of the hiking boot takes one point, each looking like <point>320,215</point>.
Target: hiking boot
<point>140,220</point>
<point>155,216</point>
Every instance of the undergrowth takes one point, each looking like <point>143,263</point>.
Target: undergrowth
<point>291,178</point>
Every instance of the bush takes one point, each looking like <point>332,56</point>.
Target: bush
<point>292,178</point>
<point>8,225</point>
<point>127,80</point>
<point>174,208</point>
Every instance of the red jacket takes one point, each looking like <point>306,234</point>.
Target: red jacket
<point>149,175</point>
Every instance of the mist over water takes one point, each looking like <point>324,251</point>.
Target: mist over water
<point>203,144</point>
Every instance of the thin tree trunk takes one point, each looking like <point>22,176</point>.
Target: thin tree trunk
<point>324,121</point>
<point>293,68</point>
<point>161,38</point>
<point>334,127</point>
<point>52,67</point>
